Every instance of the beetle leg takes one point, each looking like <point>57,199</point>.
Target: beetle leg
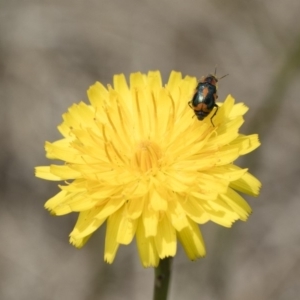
<point>214,114</point>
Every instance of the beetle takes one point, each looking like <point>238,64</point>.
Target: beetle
<point>205,97</point>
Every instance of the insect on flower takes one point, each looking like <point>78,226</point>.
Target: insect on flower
<point>205,97</point>
<point>130,159</point>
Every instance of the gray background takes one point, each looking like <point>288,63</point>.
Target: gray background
<point>52,51</point>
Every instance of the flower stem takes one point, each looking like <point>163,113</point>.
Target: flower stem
<point>162,279</point>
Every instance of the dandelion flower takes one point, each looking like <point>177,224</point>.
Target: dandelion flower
<point>137,159</point>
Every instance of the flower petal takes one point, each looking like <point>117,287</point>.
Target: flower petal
<point>135,207</point>
<point>86,224</point>
<point>111,244</point>
<point>127,227</point>
<point>177,215</point>
<point>246,143</point>
<point>247,184</point>
<point>98,95</point>
<point>192,207</point>
<point>44,173</point>
<point>237,203</point>
<point>191,239</point>
<point>165,240</point>
<point>146,247</point>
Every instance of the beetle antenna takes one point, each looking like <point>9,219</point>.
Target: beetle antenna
<point>215,74</point>
<point>223,76</point>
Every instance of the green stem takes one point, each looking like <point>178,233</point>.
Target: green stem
<point>162,279</point>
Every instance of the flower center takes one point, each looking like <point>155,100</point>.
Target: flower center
<point>147,157</point>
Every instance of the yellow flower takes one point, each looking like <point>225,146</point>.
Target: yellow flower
<point>138,159</point>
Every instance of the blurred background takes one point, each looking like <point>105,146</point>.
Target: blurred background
<point>51,51</point>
